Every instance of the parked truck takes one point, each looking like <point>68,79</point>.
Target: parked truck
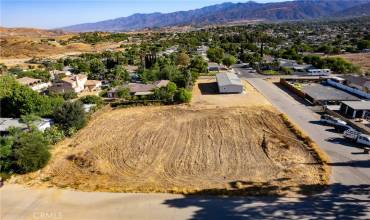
<point>357,137</point>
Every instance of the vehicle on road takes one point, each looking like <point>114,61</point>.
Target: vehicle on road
<point>328,119</point>
<point>357,137</point>
<point>342,128</point>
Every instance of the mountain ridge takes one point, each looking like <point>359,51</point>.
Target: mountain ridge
<point>229,12</point>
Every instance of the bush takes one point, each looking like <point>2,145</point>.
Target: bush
<point>69,95</point>
<point>92,99</point>
<point>183,95</point>
<point>31,151</point>
<point>54,134</point>
<point>70,115</point>
<point>286,70</point>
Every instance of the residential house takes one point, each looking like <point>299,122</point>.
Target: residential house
<point>75,83</point>
<point>58,74</point>
<point>35,84</point>
<point>139,89</point>
<point>93,85</point>
<point>7,123</point>
<point>215,67</point>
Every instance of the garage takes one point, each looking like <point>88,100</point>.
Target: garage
<point>229,83</point>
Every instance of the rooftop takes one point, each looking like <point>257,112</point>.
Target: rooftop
<point>28,80</point>
<point>228,78</point>
<point>6,123</point>
<point>327,93</point>
<point>358,80</point>
<point>140,87</point>
<point>358,105</point>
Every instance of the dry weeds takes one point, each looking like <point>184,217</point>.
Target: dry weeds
<point>184,150</point>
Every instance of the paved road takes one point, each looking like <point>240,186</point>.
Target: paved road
<point>349,165</point>
<point>347,198</point>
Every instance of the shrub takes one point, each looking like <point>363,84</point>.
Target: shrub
<point>70,115</point>
<point>286,70</point>
<point>92,99</point>
<point>183,95</point>
<point>54,134</point>
<point>31,151</point>
<point>69,95</point>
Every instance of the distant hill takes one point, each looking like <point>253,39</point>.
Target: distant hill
<point>231,12</point>
<point>28,32</point>
<point>358,10</point>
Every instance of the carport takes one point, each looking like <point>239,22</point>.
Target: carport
<point>355,109</point>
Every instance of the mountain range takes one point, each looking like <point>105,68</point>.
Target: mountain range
<point>232,12</point>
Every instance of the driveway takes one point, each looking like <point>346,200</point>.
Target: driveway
<point>348,196</point>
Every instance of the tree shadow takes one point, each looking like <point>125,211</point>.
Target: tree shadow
<point>208,88</point>
<point>335,202</point>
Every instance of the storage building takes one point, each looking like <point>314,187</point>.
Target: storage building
<point>229,83</point>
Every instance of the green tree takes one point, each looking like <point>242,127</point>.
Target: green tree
<point>118,75</point>
<point>17,100</point>
<point>198,65</point>
<point>31,151</point>
<point>6,153</point>
<point>30,119</point>
<point>229,60</point>
<point>215,54</point>
<point>363,44</point>
<point>38,74</point>
<point>123,93</point>
<point>97,68</point>
<point>70,115</point>
<point>167,93</point>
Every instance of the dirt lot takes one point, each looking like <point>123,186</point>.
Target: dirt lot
<point>199,148</point>
<point>205,94</point>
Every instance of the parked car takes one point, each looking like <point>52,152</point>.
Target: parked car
<point>342,128</point>
<point>357,137</point>
<point>330,120</point>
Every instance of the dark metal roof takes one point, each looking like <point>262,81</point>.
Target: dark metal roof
<point>327,93</point>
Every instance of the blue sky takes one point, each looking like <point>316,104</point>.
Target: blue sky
<point>59,13</point>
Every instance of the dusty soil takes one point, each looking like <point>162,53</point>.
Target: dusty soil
<point>205,94</point>
<point>18,45</point>
<point>203,147</point>
<point>360,59</point>
<point>182,150</point>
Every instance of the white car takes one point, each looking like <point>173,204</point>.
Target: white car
<point>332,120</point>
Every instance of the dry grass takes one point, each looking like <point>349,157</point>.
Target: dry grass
<point>21,44</point>
<point>360,59</point>
<point>237,150</point>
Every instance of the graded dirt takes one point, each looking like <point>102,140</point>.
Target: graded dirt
<point>196,148</point>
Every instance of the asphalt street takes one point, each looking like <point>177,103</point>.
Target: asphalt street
<point>349,164</point>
